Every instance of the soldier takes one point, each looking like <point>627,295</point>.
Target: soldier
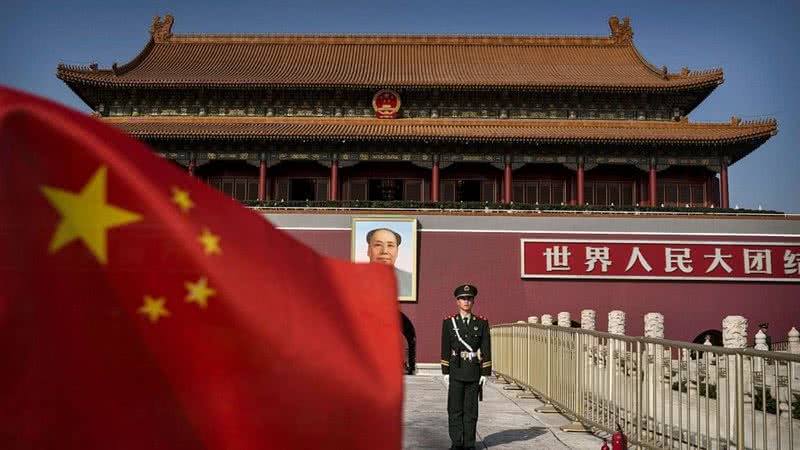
<point>466,362</point>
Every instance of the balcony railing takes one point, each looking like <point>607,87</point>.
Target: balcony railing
<point>487,207</point>
<point>663,394</point>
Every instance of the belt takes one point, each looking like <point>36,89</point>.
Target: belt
<point>469,355</point>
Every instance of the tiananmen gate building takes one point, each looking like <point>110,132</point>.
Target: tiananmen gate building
<point>419,126</point>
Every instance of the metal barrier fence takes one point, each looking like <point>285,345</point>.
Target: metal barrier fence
<point>663,394</point>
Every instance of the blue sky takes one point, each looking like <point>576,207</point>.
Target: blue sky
<point>756,43</point>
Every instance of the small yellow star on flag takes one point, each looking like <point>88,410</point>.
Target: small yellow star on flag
<point>199,292</point>
<point>182,199</point>
<point>86,216</point>
<point>210,242</point>
<point>154,308</point>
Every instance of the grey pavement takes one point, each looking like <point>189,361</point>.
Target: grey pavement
<point>505,422</point>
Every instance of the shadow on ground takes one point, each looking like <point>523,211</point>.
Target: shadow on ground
<point>508,436</point>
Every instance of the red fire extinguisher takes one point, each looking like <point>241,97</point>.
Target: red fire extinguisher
<point>618,440</point>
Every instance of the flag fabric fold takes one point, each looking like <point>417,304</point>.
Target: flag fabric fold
<point>140,308</point>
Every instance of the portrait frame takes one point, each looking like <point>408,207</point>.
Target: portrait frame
<point>405,264</point>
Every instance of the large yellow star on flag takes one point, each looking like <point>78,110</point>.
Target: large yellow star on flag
<point>86,215</point>
<point>182,199</point>
<point>210,242</point>
<point>199,292</point>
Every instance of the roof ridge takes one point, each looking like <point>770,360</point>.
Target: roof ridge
<point>390,39</point>
<point>621,34</point>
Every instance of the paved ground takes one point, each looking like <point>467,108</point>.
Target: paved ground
<point>505,422</point>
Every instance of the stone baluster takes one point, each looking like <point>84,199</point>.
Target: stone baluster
<point>734,332</point>
<point>593,356</point>
<point>654,328</point>
<point>782,398</point>
<point>782,374</point>
<point>616,322</point>
<point>734,335</point>
<point>711,370</point>
<point>761,344</point>
<point>564,319</point>
<point>588,319</point>
<point>616,349</point>
<point>793,339</point>
<point>793,346</point>
<point>689,370</point>
<point>654,325</point>
<point>547,319</point>
<point>761,341</point>
<point>533,319</point>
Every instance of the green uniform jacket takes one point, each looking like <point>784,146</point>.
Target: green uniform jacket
<point>476,334</point>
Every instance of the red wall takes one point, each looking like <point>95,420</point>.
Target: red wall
<point>491,261</point>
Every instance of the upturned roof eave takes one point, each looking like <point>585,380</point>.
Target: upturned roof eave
<point>447,139</point>
<point>461,131</point>
<point>160,84</point>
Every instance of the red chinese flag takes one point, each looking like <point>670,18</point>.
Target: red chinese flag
<point>141,309</point>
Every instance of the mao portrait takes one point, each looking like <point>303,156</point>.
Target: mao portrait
<point>389,241</point>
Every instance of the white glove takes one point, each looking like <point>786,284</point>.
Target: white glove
<point>447,379</point>
<point>482,380</point>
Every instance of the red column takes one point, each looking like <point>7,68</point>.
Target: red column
<point>579,188</point>
<point>435,181</point>
<point>640,198</point>
<point>723,185</point>
<point>507,183</point>
<point>335,180</point>
<point>652,184</point>
<point>262,181</point>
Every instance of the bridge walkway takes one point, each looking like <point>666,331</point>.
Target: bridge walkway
<point>505,422</point>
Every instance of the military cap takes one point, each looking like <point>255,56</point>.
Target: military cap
<point>466,290</point>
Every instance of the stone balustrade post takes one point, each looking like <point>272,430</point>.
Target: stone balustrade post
<point>588,317</point>
<point>547,319</point>
<point>616,349</point>
<point>616,322</point>
<point>793,346</point>
<point>793,339</point>
<point>761,344</point>
<point>689,373</point>
<point>533,319</point>
<point>564,319</point>
<point>711,370</point>
<point>734,332</point>
<point>782,397</point>
<point>734,335</point>
<point>654,328</point>
<point>593,351</point>
<point>654,325</point>
<point>761,341</point>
